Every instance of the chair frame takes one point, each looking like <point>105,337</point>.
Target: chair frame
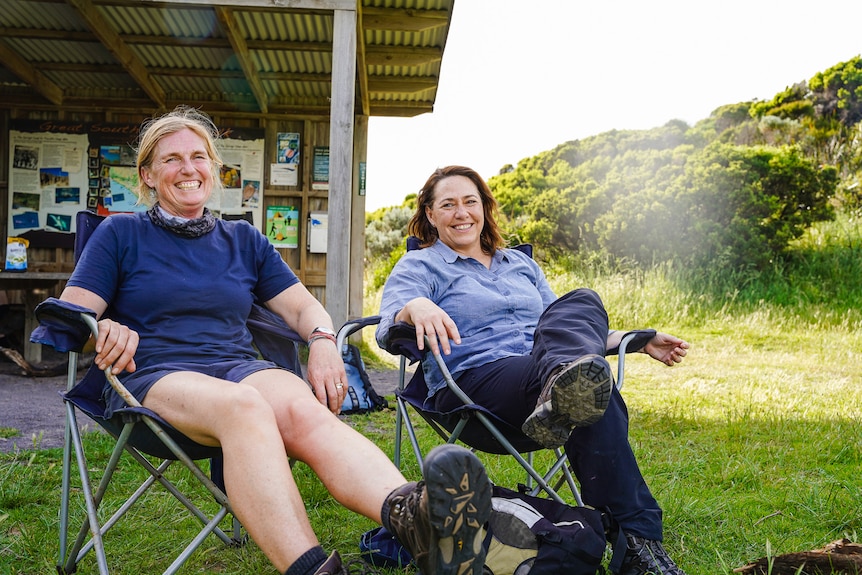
<point>536,482</point>
<point>69,557</point>
<point>159,439</point>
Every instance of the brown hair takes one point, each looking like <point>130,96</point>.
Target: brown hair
<point>154,129</point>
<point>421,228</point>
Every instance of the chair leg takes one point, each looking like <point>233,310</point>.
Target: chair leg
<point>561,467</point>
<point>65,494</point>
<point>411,432</point>
<point>399,422</point>
<point>210,527</point>
<point>71,420</point>
<point>239,538</point>
<point>92,521</point>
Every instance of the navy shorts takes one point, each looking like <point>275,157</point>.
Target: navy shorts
<point>140,382</point>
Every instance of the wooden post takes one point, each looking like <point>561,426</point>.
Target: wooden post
<point>340,164</point>
<point>357,230</point>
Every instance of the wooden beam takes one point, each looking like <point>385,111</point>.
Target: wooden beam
<point>237,40</point>
<point>391,109</point>
<point>112,42</point>
<point>30,75</point>
<point>361,65</point>
<point>401,84</point>
<point>317,5</point>
<point>401,55</point>
<point>406,20</point>
<point>188,72</point>
<point>46,34</point>
<point>82,68</point>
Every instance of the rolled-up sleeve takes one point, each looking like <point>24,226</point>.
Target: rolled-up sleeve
<point>407,281</point>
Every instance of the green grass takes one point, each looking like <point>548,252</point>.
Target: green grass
<point>755,441</point>
<point>753,446</point>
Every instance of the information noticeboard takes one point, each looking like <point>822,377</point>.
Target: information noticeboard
<point>58,168</point>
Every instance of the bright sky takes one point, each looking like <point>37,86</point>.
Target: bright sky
<point>519,78</point>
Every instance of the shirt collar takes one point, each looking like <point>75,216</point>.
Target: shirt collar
<point>450,256</point>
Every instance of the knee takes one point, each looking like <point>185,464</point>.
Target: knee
<point>582,302</point>
<point>305,416</point>
<point>584,296</point>
<point>244,403</point>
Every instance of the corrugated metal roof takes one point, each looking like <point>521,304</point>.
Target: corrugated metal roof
<point>132,55</point>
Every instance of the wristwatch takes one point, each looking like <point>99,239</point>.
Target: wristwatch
<point>324,331</point>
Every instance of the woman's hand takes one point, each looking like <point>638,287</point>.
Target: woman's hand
<point>666,348</point>
<point>326,374</point>
<point>116,345</point>
<point>429,319</point>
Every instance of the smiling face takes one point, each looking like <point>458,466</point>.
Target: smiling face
<point>457,214</point>
<point>181,173</point>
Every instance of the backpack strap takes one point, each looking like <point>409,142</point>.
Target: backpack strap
<point>617,539</point>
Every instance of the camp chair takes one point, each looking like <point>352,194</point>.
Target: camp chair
<point>139,432</point>
<point>470,423</point>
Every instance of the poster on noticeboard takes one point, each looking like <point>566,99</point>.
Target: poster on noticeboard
<point>286,170</point>
<point>320,168</point>
<point>282,226</point>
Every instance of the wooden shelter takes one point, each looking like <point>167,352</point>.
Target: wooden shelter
<point>314,70</point>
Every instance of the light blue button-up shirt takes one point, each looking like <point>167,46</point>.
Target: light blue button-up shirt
<point>496,309</point>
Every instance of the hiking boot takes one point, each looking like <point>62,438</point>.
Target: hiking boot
<point>647,557</point>
<point>440,519</point>
<point>332,566</point>
<point>575,395</point>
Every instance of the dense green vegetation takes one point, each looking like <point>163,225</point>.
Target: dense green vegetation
<point>732,192</point>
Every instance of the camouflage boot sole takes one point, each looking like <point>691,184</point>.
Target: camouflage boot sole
<point>579,394</point>
<point>547,428</point>
<point>459,505</point>
<point>582,390</point>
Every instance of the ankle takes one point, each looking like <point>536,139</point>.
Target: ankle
<point>308,563</point>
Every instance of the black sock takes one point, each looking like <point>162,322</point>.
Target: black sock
<point>308,563</point>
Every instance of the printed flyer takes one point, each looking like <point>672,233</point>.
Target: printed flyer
<point>282,226</point>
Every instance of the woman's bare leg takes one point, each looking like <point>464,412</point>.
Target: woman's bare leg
<point>353,469</point>
<point>257,473</point>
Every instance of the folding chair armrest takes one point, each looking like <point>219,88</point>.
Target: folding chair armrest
<point>637,339</point>
<point>632,341</point>
<point>351,326</point>
<point>401,340</point>
<point>63,325</point>
<point>66,327</point>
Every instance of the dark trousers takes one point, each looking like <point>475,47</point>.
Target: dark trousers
<point>602,459</point>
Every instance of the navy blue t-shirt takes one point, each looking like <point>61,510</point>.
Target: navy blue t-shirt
<point>188,298</point>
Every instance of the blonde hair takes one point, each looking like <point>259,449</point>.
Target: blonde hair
<point>154,129</point>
